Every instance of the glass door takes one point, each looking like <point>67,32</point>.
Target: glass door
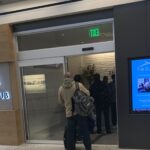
<point>44,116</point>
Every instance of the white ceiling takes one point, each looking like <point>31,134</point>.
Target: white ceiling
<point>9,1</point>
<point>56,11</point>
<point>13,5</point>
<point>3,2</point>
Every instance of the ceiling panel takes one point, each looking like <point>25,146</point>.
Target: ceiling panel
<point>3,2</point>
<point>9,1</point>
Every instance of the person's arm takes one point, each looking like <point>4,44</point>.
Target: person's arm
<point>82,88</point>
<point>60,99</point>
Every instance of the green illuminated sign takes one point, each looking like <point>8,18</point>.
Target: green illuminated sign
<point>94,32</point>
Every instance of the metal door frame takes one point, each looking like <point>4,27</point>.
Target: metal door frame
<point>34,62</point>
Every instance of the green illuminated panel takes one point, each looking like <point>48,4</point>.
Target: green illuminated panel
<point>94,32</point>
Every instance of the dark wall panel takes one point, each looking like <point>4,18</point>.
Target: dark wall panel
<point>131,41</point>
<point>70,19</point>
<point>148,26</point>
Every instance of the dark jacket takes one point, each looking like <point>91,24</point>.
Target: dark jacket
<point>95,91</point>
<point>112,92</point>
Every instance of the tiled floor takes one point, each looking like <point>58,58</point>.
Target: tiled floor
<point>56,147</point>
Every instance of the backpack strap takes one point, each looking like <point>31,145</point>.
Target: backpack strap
<point>73,104</point>
<point>77,86</point>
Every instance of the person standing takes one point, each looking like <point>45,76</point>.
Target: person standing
<point>99,90</point>
<point>65,93</point>
<point>95,92</point>
<point>106,103</point>
<point>112,89</point>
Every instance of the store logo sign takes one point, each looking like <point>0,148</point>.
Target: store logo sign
<point>4,94</point>
<point>145,66</point>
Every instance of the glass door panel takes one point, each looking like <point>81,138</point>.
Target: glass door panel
<point>44,116</point>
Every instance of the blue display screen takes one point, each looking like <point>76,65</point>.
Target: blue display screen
<point>140,85</point>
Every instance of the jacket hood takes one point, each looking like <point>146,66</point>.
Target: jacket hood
<point>67,83</point>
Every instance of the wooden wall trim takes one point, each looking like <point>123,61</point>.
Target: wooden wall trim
<point>9,128</point>
<point>11,122</point>
<point>7,52</point>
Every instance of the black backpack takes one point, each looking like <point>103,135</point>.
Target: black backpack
<point>82,103</point>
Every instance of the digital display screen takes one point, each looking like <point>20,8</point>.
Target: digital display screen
<point>140,85</point>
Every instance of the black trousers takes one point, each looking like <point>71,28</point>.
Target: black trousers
<point>113,114</point>
<point>72,123</point>
<point>65,137</point>
<point>104,109</point>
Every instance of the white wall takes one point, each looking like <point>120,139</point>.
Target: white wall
<point>60,10</point>
<point>104,64</point>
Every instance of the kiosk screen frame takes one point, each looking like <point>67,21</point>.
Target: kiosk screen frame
<point>139,77</point>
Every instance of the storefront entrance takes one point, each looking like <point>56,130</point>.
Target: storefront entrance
<point>86,66</point>
<point>42,65</point>
<point>44,116</point>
